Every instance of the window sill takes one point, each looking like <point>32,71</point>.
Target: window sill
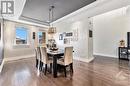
<point>21,46</point>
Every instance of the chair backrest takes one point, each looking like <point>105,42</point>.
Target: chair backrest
<point>68,56</point>
<point>38,53</point>
<point>44,56</point>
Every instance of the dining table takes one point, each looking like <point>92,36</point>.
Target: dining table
<point>55,54</point>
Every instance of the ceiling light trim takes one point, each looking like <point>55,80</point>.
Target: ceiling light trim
<point>33,20</point>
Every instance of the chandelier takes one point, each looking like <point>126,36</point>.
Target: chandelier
<point>51,30</point>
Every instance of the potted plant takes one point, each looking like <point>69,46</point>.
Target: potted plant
<point>122,43</point>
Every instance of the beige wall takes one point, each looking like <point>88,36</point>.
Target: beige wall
<point>14,51</point>
<point>81,45</point>
<point>84,46</point>
<point>109,29</point>
<point>1,42</point>
<point>67,24</point>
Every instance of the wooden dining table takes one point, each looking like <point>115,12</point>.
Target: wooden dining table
<point>55,55</point>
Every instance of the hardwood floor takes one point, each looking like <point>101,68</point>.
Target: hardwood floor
<point>100,72</point>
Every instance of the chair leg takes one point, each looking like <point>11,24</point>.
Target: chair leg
<point>50,67</point>
<point>41,66</point>
<point>36,63</point>
<point>71,67</point>
<point>45,69</point>
<point>58,68</point>
<point>65,70</point>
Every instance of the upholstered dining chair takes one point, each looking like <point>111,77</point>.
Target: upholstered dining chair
<point>37,55</point>
<point>45,59</point>
<point>67,59</point>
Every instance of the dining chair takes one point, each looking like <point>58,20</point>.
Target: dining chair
<point>67,59</point>
<point>37,57</point>
<point>45,59</point>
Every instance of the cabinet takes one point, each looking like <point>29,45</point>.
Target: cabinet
<point>123,53</point>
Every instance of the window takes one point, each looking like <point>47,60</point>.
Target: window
<point>21,35</point>
<point>41,37</point>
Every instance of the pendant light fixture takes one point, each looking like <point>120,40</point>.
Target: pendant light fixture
<point>51,30</point>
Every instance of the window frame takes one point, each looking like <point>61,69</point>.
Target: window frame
<point>28,38</point>
<point>38,36</point>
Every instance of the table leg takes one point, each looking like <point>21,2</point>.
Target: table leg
<point>55,66</point>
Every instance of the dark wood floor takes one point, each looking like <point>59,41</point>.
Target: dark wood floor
<point>100,72</point>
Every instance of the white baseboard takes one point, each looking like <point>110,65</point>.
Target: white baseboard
<point>99,54</point>
<point>91,59</point>
<point>18,58</point>
<point>1,66</point>
<point>84,59</point>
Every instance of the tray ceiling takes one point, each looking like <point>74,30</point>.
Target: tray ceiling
<point>37,10</point>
